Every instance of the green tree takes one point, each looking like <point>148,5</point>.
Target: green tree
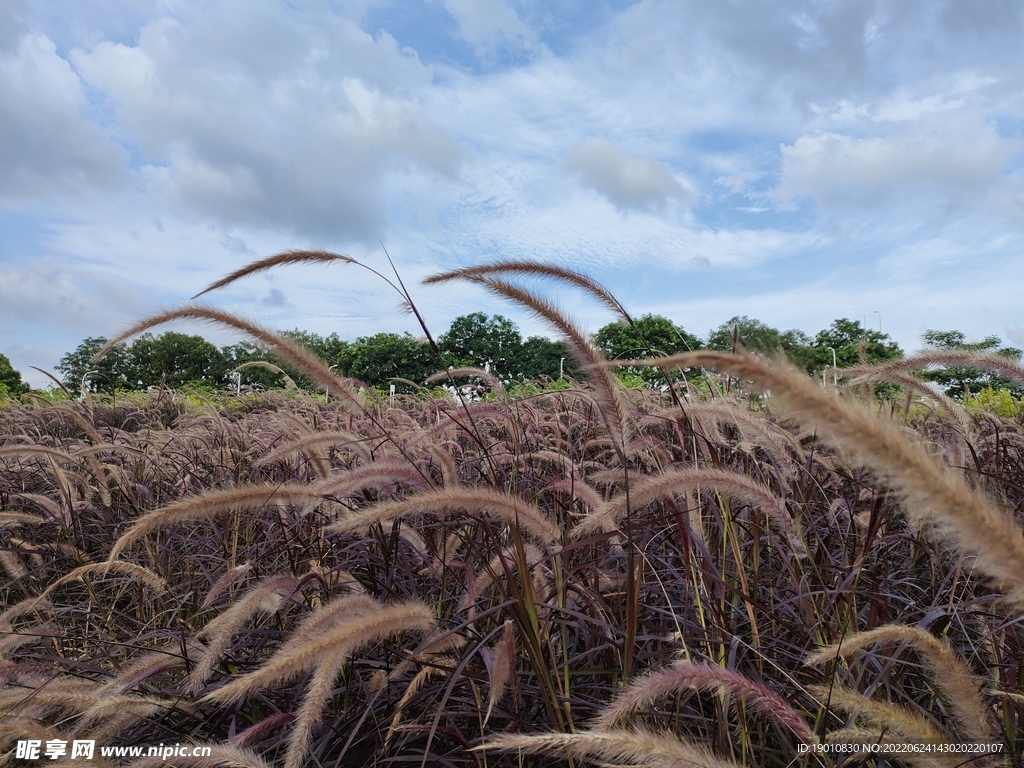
<point>960,381</point>
<point>760,337</point>
<point>846,337</point>
<point>113,370</point>
<point>376,359</point>
<point>329,349</point>
<point>543,358</point>
<point>10,379</point>
<point>249,352</point>
<point>480,341</point>
<point>176,359</point>
<point>648,336</point>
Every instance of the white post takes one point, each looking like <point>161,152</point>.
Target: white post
<point>835,377</point>
<point>561,367</point>
<point>327,390</point>
<point>82,393</point>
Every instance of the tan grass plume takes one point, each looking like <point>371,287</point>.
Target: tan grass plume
<point>951,677</point>
<point>934,493</point>
<point>474,500</point>
<point>638,747</point>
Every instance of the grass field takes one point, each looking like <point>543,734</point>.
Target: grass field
<point>695,575</point>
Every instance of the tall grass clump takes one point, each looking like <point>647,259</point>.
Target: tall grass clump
<point>680,575</point>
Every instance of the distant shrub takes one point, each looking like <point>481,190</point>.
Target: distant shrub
<point>1001,402</point>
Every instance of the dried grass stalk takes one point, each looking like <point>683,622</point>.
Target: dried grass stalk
<point>704,677</point>
<point>680,481</point>
<point>934,493</point>
<point>951,677</point>
<point>474,500</point>
<point>638,747</point>
<point>962,358</point>
<point>209,504</point>
<point>221,756</point>
<point>891,718</point>
<point>307,649</point>
<point>288,257</point>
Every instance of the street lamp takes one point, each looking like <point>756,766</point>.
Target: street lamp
<point>327,390</point>
<point>82,393</point>
<point>879,320</point>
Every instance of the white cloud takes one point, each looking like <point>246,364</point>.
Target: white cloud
<point>1015,335</point>
<point>629,181</point>
<point>489,25</point>
<point>954,162</point>
<point>276,125</point>
<point>48,144</point>
<point>50,293</point>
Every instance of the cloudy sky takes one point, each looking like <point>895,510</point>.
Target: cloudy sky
<point>794,161</point>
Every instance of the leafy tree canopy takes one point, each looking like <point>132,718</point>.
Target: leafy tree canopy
<point>753,335</point>
<point>327,348</point>
<point>77,368</point>
<point>376,359</point>
<point>476,340</point>
<point>960,382</point>
<point>846,337</point>
<point>648,336</point>
<point>541,358</point>
<point>176,359</point>
<point>10,379</point>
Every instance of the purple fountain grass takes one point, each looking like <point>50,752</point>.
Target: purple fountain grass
<point>703,677</point>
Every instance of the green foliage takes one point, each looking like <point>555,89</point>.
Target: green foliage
<point>495,344</point>
<point>250,352</point>
<point>479,341</point>
<point>1001,402</point>
<point>958,381</point>
<point>327,348</point>
<point>541,358</point>
<point>760,337</point>
<point>10,379</point>
<point>649,336</point>
<point>375,360</point>
<point>174,359</point>
<point>846,337</point>
<point>330,349</point>
<point>114,371</point>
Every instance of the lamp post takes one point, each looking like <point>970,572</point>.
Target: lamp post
<point>879,320</point>
<point>81,396</point>
<point>835,377</point>
<point>327,390</point>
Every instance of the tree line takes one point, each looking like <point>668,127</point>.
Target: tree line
<point>176,359</point>
<point>493,343</point>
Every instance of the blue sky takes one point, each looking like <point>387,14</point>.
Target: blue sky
<point>794,161</point>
